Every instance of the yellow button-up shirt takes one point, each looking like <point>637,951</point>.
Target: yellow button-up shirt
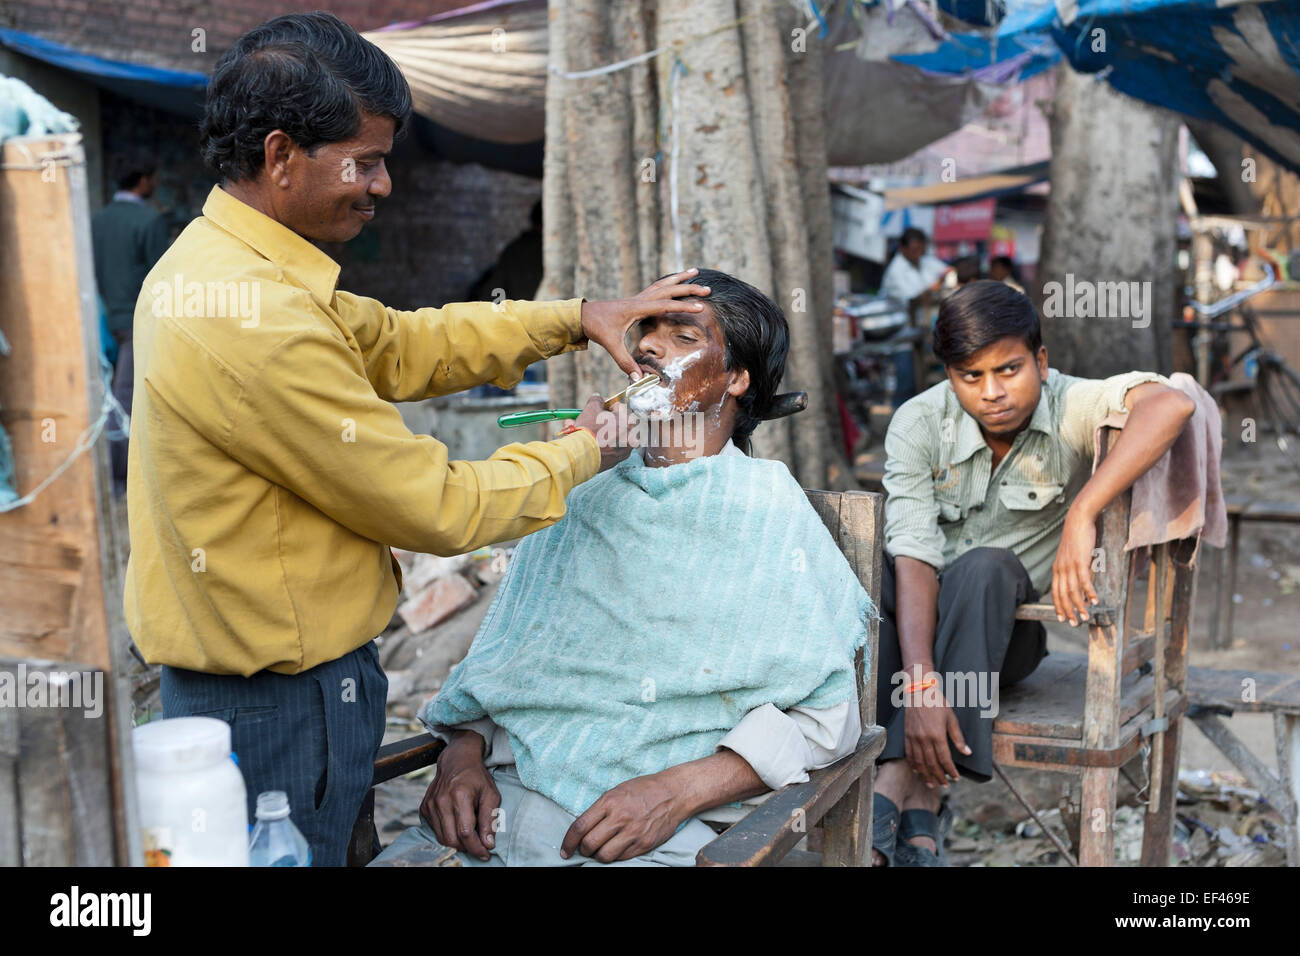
<point>269,472</point>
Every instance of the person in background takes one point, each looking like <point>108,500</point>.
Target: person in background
<point>968,270</point>
<point>1004,270</point>
<point>129,236</point>
<point>913,276</point>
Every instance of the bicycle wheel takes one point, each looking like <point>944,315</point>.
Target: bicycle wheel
<point>1279,394</point>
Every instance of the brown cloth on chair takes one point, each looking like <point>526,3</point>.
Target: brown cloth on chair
<point>1180,496</point>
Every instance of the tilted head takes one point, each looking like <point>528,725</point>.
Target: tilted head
<point>723,362</point>
<point>301,112</point>
<point>991,345</point>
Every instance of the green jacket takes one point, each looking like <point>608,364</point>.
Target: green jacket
<point>129,237</point>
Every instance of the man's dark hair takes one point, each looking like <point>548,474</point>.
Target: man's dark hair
<point>1005,262</point>
<point>981,313</point>
<point>910,233</point>
<point>308,74</point>
<point>756,337</point>
<point>127,168</point>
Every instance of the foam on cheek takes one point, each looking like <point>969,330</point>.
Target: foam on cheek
<point>657,401</point>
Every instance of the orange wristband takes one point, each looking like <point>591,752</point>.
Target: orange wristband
<point>575,427</point>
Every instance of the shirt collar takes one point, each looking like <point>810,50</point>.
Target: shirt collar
<point>274,241</point>
<point>125,195</point>
<point>970,439</point>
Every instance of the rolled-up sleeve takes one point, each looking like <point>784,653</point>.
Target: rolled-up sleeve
<point>484,727</point>
<point>911,513</point>
<point>783,746</point>
<point>1090,401</point>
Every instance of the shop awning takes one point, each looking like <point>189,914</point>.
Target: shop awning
<point>1002,183</point>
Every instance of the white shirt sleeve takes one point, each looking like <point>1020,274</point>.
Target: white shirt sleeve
<point>484,727</point>
<point>783,746</point>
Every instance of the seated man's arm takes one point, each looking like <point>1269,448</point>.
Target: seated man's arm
<point>1157,414</point>
<point>642,813</point>
<point>767,750</point>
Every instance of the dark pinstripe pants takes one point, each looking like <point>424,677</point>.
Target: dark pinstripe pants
<point>313,735</point>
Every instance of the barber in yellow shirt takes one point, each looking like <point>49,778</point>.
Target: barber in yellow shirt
<point>269,472</point>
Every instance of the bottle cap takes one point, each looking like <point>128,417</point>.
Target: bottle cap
<point>272,805</point>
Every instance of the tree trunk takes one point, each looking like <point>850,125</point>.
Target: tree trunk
<point>1111,218</point>
<point>730,121</point>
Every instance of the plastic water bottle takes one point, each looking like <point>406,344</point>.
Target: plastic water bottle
<point>276,841</point>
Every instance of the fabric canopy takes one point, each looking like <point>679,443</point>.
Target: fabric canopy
<point>480,71</point>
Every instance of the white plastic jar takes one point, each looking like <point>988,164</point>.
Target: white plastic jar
<point>193,806</point>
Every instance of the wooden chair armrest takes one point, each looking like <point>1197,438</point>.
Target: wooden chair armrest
<point>1100,615</point>
<point>405,756</point>
<point>769,831</point>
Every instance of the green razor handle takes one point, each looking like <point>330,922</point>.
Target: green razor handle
<point>515,419</point>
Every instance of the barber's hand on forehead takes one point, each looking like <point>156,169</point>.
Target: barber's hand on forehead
<point>606,323</point>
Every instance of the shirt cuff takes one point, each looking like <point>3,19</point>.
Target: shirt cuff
<point>484,727</point>
<point>1117,388</point>
<point>909,546</point>
<point>585,452</point>
<point>783,747</point>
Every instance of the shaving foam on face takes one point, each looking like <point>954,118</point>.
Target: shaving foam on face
<point>657,401</point>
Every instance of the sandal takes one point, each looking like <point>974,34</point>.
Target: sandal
<point>914,823</point>
<point>884,826</point>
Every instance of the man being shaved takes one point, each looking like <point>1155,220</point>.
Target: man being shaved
<point>680,641</point>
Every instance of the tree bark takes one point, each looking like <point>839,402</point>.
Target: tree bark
<point>740,105</point>
<point>1112,217</point>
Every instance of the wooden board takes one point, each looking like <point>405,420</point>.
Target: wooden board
<point>1272,692</point>
<point>53,581</point>
<point>1049,702</point>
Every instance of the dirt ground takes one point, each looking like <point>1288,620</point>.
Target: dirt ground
<point>991,828</point>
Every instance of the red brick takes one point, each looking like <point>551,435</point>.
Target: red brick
<point>437,602</point>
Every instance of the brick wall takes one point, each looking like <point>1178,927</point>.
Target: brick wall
<point>443,225</point>
<point>159,32</point>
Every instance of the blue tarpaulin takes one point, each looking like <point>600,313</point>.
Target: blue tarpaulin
<point>1234,64</point>
<point>176,91</point>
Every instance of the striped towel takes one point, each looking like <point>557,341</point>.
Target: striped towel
<point>632,635</point>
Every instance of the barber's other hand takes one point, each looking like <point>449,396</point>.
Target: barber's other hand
<point>612,428</point>
<point>606,323</point>
<point>459,802</point>
<point>926,732</point>
<point>633,818</point>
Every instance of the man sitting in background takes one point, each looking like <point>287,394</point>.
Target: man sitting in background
<point>681,640</point>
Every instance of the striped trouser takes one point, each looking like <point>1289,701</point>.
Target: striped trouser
<point>313,735</point>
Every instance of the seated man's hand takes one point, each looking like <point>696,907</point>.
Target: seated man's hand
<point>1072,588</point>
<point>459,802</point>
<point>926,732</point>
<point>633,818</point>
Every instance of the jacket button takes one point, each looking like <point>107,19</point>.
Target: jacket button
<point>1033,494</point>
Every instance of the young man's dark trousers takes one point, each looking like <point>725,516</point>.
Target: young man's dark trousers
<point>313,735</point>
<point>977,640</point>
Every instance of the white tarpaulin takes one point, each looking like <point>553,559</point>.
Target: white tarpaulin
<point>481,73</point>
